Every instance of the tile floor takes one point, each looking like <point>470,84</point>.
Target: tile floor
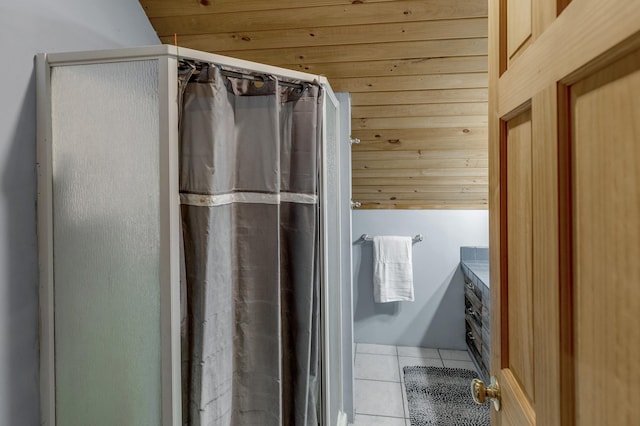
<point>380,396</point>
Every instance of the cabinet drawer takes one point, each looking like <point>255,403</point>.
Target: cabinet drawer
<point>473,288</point>
<point>474,312</point>
<point>470,295</point>
<point>473,335</point>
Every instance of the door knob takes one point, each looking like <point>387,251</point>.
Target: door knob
<point>481,393</point>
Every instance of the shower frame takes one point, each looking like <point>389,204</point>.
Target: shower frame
<point>168,58</point>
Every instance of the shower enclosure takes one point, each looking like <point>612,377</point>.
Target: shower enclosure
<point>245,193</point>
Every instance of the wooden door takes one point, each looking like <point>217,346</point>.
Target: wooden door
<point>564,114</point>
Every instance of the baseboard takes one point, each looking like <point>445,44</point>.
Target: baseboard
<point>342,419</point>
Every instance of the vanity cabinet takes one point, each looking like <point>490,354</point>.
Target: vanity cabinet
<point>474,262</point>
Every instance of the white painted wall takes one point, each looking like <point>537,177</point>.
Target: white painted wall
<point>436,318</point>
<point>28,27</point>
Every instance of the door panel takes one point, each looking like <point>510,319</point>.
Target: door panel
<point>565,210</point>
<point>517,409</point>
<point>518,24</point>
<point>606,154</point>
<point>546,297</point>
<point>519,299</point>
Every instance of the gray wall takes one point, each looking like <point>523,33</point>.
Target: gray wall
<point>436,317</point>
<point>27,28</point>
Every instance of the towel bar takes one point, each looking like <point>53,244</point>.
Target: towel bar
<point>366,237</point>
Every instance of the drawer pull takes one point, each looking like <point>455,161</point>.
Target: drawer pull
<point>470,336</point>
<point>470,286</point>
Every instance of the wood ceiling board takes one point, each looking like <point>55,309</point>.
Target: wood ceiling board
<point>424,205</point>
<point>422,110</point>
<point>479,153</point>
<point>418,122</point>
<point>363,52</point>
<point>419,97</point>
<point>385,68</point>
<point>318,16</point>
<point>404,83</point>
<point>428,196</point>
<point>338,35</point>
<point>398,189</point>
<point>406,139</point>
<point>421,180</point>
<point>165,8</point>
<point>422,163</point>
<point>424,145</point>
<point>389,173</point>
<point>471,146</point>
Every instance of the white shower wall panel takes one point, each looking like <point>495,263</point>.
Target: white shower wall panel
<point>106,234</point>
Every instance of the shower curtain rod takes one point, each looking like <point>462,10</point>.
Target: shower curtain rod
<point>236,74</point>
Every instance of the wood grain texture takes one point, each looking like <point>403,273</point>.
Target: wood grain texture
<point>513,413</point>
<point>543,13</point>
<point>497,198</point>
<point>338,35</point>
<point>566,401</point>
<point>422,181</point>
<point>546,272</point>
<point>518,24</point>
<point>363,52</point>
<point>396,197</point>
<point>419,122</point>
<point>605,135</point>
<point>416,71</point>
<point>389,173</point>
<point>424,110</point>
<point>519,301</point>
<point>435,138</point>
<point>583,32</point>
<point>399,189</point>
<point>437,163</point>
<point>386,68</point>
<point>425,154</point>
<point>426,150</point>
<point>169,8</point>
<point>321,16</point>
<point>424,205</point>
<point>412,97</point>
<point>423,82</point>
<point>585,201</point>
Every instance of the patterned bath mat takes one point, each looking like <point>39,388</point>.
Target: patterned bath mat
<point>441,397</point>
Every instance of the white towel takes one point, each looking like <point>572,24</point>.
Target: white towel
<point>392,269</point>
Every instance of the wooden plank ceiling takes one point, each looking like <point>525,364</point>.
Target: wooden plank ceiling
<point>416,71</point>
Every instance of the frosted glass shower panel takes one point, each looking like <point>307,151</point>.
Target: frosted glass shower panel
<point>106,232</point>
<point>334,253</point>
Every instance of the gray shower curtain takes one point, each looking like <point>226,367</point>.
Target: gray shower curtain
<point>249,195</point>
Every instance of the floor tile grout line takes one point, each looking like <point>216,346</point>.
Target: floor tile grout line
<point>376,380</point>
<point>399,377</point>
<point>404,409</point>
<point>380,415</point>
